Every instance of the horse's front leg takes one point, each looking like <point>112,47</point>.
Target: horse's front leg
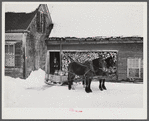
<point>103,85</point>
<point>69,81</point>
<point>100,84</point>
<point>84,82</point>
<point>90,80</point>
<point>88,83</point>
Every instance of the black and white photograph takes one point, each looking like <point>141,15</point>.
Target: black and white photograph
<point>74,60</point>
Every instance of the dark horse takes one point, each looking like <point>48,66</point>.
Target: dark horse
<point>110,69</point>
<point>86,70</point>
<point>98,67</point>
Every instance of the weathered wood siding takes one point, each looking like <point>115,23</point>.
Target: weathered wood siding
<point>125,50</point>
<point>36,47</point>
<point>17,70</point>
<point>30,54</point>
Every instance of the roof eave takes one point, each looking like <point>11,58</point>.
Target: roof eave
<point>17,31</point>
<point>30,22</point>
<point>49,42</point>
<point>46,7</point>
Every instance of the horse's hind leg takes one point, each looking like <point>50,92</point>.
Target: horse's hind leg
<point>103,85</point>
<point>100,84</point>
<point>70,81</point>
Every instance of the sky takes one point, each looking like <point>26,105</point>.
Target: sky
<point>90,19</point>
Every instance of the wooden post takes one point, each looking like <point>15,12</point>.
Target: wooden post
<point>24,55</point>
<point>61,59</point>
<point>24,68</point>
<point>47,68</point>
<point>139,67</point>
<point>117,65</point>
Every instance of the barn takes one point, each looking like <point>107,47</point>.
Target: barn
<point>127,52</point>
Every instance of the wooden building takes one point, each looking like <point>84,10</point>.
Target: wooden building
<point>25,35</point>
<point>127,52</point>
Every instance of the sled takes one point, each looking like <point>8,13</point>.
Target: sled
<point>56,79</point>
<point>53,83</point>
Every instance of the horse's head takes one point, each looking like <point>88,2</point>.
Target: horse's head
<point>110,64</point>
<point>99,64</point>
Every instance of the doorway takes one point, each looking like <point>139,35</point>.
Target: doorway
<point>52,56</point>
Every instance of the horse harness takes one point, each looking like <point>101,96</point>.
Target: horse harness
<point>88,70</point>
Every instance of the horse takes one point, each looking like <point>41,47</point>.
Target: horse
<point>110,69</point>
<point>86,70</point>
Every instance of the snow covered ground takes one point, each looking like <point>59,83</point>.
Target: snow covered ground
<point>34,93</point>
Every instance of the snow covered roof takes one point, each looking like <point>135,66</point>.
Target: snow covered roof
<point>18,21</point>
<point>93,40</point>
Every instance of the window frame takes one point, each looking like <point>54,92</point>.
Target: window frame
<point>13,53</point>
<point>131,60</point>
<point>42,18</point>
<point>40,22</point>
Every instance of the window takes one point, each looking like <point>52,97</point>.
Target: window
<point>13,54</point>
<point>134,68</point>
<point>38,21</point>
<point>10,55</point>
<point>41,22</point>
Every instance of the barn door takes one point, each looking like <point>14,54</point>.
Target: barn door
<point>54,62</point>
<point>53,68</point>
